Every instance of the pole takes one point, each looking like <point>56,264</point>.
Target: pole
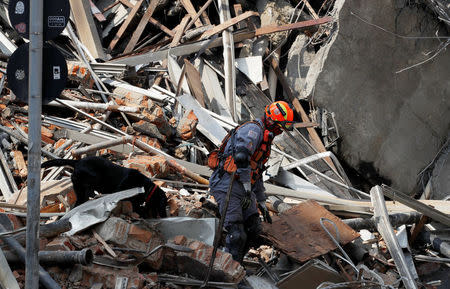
<point>34,146</point>
<point>218,235</point>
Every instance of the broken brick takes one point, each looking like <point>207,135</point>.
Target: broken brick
<point>60,244</point>
<point>106,275</point>
<point>153,165</point>
<point>149,129</point>
<point>77,72</point>
<point>197,262</point>
<point>187,126</point>
<point>121,233</point>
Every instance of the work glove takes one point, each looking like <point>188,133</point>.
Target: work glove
<point>247,199</point>
<point>265,212</point>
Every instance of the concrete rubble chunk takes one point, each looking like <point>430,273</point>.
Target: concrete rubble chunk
<point>195,263</point>
<point>155,166</point>
<point>124,234</point>
<point>187,126</point>
<point>149,129</point>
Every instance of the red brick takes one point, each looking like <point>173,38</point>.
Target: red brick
<point>180,240</point>
<point>60,244</point>
<point>106,275</point>
<point>187,127</point>
<point>152,165</point>
<point>197,262</point>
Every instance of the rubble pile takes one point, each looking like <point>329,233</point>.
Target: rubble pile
<point>155,86</point>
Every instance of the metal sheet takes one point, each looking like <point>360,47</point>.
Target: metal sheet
<point>298,233</point>
<point>202,230</point>
<point>310,275</point>
<point>96,211</point>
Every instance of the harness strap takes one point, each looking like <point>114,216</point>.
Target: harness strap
<point>149,196</point>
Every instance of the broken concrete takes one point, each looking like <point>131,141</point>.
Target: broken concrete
<point>392,124</point>
<point>197,262</point>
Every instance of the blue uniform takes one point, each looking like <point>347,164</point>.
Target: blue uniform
<point>238,222</point>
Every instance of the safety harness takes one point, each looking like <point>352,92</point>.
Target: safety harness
<point>217,158</point>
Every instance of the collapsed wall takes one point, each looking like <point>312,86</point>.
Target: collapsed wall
<point>391,123</point>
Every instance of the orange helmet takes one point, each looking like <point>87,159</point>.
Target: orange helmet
<point>280,113</point>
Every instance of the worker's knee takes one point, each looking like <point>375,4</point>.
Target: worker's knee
<point>253,225</point>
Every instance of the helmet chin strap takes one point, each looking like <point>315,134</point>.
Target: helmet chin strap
<point>272,126</point>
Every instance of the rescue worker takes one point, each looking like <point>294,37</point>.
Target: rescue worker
<point>245,150</point>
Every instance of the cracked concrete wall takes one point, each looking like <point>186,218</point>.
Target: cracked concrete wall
<point>395,122</point>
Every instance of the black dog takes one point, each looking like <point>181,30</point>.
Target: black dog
<point>99,174</point>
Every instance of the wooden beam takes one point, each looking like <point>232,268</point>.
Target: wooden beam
<point>200,12</point>
<point>161,26</point>
<point>205,18</point>
<point>125,24</point>
<point>186,49</point>
<point>418,206</point>
<point>151,20</point>
<point>297,25</point>
<point>87,31</point>
<point>176,39</point>
<point>238,11</point>
<point>141,26</point>
<point>310,9</point>
<point>187,4</point>
<point>194,82</point>
<point>418,227</point>
<point>315,139</point>
<point>222,26</point>
<point>228,56</point>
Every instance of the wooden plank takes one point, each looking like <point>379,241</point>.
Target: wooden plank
<point>213,90</point>
<point>21,165</point>
<point>107,247</point>
<point>310,9</point>
<point>97,13</point>
<point>297,25</point>
<point>187,4</point>
<point>238,11</point>
<point>176,39</point>
<point>161,26</point>
<point>87,31</point>
<point>176,74</point>
<point>228,56</point>
<point>194,82</point>
<point>205,17</point>
<point>200,13</point>
<point>386,230</point>
<point>125,24</point>
<point>315,139</point>
<point>186,49</point>
<point>151,20</point>
<point>418,206</point>
<point>223,26</point>
<point>418,227</point>
<point>141,26</point>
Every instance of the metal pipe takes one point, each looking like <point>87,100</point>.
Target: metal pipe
<point>48,230</point>
<point>83,257</point>
<point>44,278</point>
<point>7,279</point>
<point>387,232</point>
<point>102,145</point>
<point>34,148</point>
